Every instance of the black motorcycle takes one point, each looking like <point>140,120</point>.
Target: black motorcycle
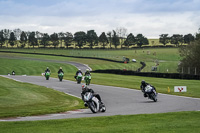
<point>93,103</point>
<point>151,93</point>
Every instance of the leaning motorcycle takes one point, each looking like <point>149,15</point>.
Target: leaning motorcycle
<point>151,93</point>
<point>93,103</point>
<point>47,75</point>
<point>60,76</point>
<point>79,78</point>
<point>87,79</point>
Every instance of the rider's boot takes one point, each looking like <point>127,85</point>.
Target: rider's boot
<point>145,95</point>
<point>85,104</point>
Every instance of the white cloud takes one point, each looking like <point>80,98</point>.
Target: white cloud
<point>149,17</point>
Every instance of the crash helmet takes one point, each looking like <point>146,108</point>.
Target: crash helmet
<point>47,67</point>
<point>87,70</point>
<point>143,83</point>
<point>84,87</point>
<point>60,67</point>
<point>79,69</point>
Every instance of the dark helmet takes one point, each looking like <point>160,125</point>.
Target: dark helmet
<point>143,82</point>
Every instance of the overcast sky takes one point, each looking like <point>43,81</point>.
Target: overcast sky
<point>149,17</point>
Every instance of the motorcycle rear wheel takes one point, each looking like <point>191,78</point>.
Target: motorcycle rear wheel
<point>103,108</point>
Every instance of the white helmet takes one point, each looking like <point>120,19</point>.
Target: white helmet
<point>84,87</point>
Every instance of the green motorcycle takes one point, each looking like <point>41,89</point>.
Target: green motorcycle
<point>79,78</point>
<point>47,75</point>
<point>60,76</point>
<point>87,79</point>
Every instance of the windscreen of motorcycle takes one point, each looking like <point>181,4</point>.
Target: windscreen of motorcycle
<point>87,96</point>
<point>148,88</point>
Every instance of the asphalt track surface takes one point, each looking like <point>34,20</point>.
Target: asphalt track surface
<point>119,101</point>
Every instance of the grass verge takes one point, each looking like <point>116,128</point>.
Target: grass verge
<point>179,122</point>
<point>168,58</point>
<point>24,99</point>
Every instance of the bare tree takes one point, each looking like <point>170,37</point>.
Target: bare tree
<point>109,34</point>
<point>6,35</point>
<point>190,57</point>
<point>122,34</point>
<point>61,37</point>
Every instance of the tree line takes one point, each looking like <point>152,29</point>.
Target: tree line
<point>118,37</point>
<point>189,64</point>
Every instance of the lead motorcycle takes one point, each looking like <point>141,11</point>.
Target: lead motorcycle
<point>151,93</point>
<point>93,103</point>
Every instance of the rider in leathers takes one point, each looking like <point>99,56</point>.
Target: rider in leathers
<point>79,71</point>
<point>86,89</point>
<point>143,85</point>
<point>87,72</point>
<point>47,70</point>
<point>60,70</point>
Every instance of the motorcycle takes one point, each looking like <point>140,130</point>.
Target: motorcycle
<point>13,73</point>
<point>87,79</point>
<point>151,93</point>
<point>47,75</point>
<point>93,103</point>
<point>60,76</point>
<point>79,78</point>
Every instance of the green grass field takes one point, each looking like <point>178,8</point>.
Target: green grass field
<point>23,99</point>
<point>180,122</point>
<point>168,58</point>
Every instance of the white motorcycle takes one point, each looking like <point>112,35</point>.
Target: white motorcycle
<point>93,103</point>
<point>151,93</point>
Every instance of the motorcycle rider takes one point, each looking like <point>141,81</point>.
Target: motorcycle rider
<point>79,71</point>
<point>143,85</point>
<point>86,89</point>
<point>87,72</point>
<point>60,70</point>
<point>47,70</point>
<point>13,72</point>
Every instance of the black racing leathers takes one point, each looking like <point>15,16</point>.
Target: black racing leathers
<point>60,70</point>
<point>90,90</point>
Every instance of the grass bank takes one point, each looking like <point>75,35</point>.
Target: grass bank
<point>23,99</point>
<point>179,122</point>
<point>168,58</point>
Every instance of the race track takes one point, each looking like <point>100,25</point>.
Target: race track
<point>119,101</point>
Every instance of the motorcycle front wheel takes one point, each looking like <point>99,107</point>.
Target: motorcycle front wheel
<point>93,106</point>
<point>154,97</point>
